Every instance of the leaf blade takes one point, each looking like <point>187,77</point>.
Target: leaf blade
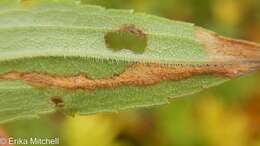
<point>70,42</point>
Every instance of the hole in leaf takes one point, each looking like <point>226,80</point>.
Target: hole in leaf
<point>128,37</point>
<point>56,102</point>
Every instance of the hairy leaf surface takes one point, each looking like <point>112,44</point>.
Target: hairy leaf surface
<point>82,59</point>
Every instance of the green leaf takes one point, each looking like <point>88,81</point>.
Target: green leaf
<point>86,59</point>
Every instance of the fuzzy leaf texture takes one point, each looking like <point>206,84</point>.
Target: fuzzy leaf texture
<point>83,59</point>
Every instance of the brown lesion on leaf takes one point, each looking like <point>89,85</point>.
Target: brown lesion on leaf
<point>56,102</point>
<point>133,75</point>
<point>225,49</point>
<point>133,29</point>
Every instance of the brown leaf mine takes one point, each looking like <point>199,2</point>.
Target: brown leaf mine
<point>56,102</point>
<point>222,49</point>
<point>134,75</point>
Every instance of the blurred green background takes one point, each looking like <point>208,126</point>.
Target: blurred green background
<point>227,115</point>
